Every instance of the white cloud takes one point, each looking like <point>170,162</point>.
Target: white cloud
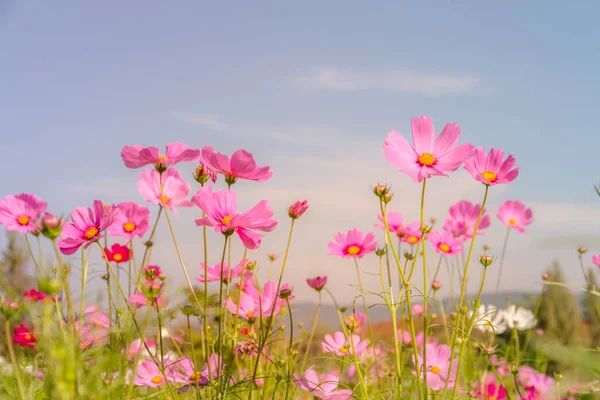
<point>208,121</point>
<point>404,81</point>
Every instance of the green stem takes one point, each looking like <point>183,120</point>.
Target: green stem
<point>425,300</point>
<point>37,266</point>
<point>13,359</point>
<point>287,386</point>
<point>220,309</point>
<point>504,246</point>
<point>312,334</point>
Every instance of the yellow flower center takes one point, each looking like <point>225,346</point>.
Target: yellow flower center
<point>412,239</point>
<point>91,232</point>
<point>426,159</point>
<point>23,220</point>
<point>399,230</point>
<point>489,175</point>
<point>129,226</point>
<point>195,376</point>
<point>435,370</point>
<point>162,156</point>
<point>28,336</point>
<point>249,313</point>
<point>353,250</point>
<point>164,199</point>
<point>343,350</point>
<point>117,257</point>
<point>226,220</point>
<point>512,221</point>
<point>157,379</point>
<point>444,247</point>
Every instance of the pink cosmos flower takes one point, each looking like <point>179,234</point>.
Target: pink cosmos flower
<point>492,391</point>
<point>412,233</point>
<point>438,363</point>
<point>148,374</point>
<point>86,227</point>
<point>324,387</point>
<point>35,295</point>
<point>23,336</point>
<point>240,166</point>
<point>131,220</point>
<point>138,156</point>
<point>221,213</point>
<point>419,340</point>
<point>139,299</point>
<point>395,223</point>
<point>297,209</point>
<point>340,346</point>
<point>21,213</point>
<point>515,215</point>
<point>445,243</point>
<point>428,155</point>
<point>137,346</point>
<point>183,371</point>
<point>493,169</point>
<point>215,273</point>
<point>404,336</point>
<point>417,309</point>
<point>462,218</point>
<point>353,244</point>
<point>596,260</point>
<point>356,321</point>
<point>166,189</point>
<point>118,253</point>
<point>317,283</point>
<point>536,384</point>
<point>253,304</point>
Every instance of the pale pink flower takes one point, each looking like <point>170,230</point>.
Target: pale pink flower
<point>417,309</point>
<point>438,363</point>
<point>297,209</point>
<point>340,346</point>
<point>166,189</point>
<point>240,166</point>
<point>138,156</point>
<point>317,283</point>
<point>86,227</point>
<point>394,221</point>
<point>428,156</point>
<point>214,273</point>
<point>253,304</point>
<point>493,169</point>
<point>536,384</point>
<point>22,213</point>
<point>462,218</point>
<point>596,260</point>
<point>323,387</point>
<point>148,374</point>
<point>419,339</point>
<point>221,213</point>
<point>445,243</point>
<point>183,371</point>
<point>131,220</point>
<point>515,215</point>
<point>357,321</point>
<point>352,244</point>
<point>412,233</point>
<point>137,346</point>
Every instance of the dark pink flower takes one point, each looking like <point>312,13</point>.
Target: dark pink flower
<point>493,169</point>
<point>118,253</point>
<point>352,244</point>
<point>596,260</point>
<point>411,233</point>
<point>317,283</point>
<point>86,227</point>
<point>138,156</point>
<point>22,213</point>
<point>23,336</point>
<point>240,166</point>
<point>428,155</point>
<point>297,209</point>
<point>215,273</point>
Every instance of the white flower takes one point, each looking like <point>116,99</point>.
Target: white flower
<point>519,318</point>
<point>489,320</point>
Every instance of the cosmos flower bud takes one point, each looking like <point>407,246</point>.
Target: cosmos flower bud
<point>259,382</point>
<point>8,308</point>
<point>425,229</point>
<point>285,291</point>
<point>272,256</point>
<point>50,286</point>
<point>408,256</point>
<point>317,283</point>
<point>203,173</point>
<point>251,265</point>
<point>381,190</point>
<point>489,350</point>
<point>486,247</point>
<point>581,250</point>
<point>539,332</point>
<point>105,277</point>
<point>294,352</point>
<point>380,252</point>
<point>433,220</point>
<point>387,197</point>
<point>189,310</point>
<point>545,276</point>
<point>300,325</point>
<point>351,323</point>
<point>486,261</point>
<point>51,226</point>
<point>297,209</point>
<point>436,285</point>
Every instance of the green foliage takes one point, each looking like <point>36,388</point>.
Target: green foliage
<point>591,309</point>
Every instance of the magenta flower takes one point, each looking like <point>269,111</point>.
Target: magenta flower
<point>395,223</point>
<point>462,218</point>
<point>445,243</point>
<point>324,387</point>
<point>438,363</point>
<point>596,260</point>
<point>317,283</point>
<point>353,244</point>
<point>493,169</point>
<point>22,213</point>
<point>148,374</point>
<point>412,233</point>
<point>240,166</point>
<point>131,220</point>
<point>341,346</point>
<point>536,384</point>
<point>166,189</point>
<point>492,391</point>
<point>428,156</point>
<point>515,215</point>
<point>215,274</point>
<point>138,156</point>
<point>221,213</point>
<point>297,209</point>
<point>183,371</point>
<point>86,227</point>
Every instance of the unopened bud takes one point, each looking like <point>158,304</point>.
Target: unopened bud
<point>409,256</point>
<point>433,220</point>
<point>489,350</point>
<point>148,243</point>
<point>380,252</point>
<point>581,250</point>
<point>251,265</point>
<point>425,229</point>
<point>486,261</point>
<point>436,285</point>
<point>507,297</point>
<point>545,276</point>
<point>380,190</point>
<point>294,352</point>
<point>387,197</point>
<point>105,277</point>
<point>391,374</point>
<point>50,286</point>
<point>486,247</point>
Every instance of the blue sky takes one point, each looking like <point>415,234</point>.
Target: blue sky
<point>311,89</point>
